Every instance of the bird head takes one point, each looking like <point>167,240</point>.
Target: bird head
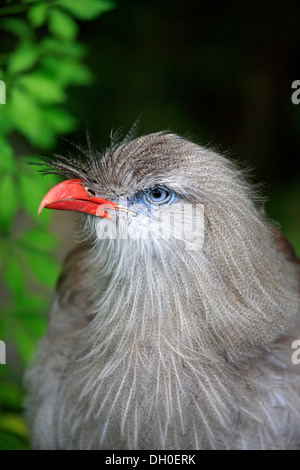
<point>222,268</point>
<point>146,189</point>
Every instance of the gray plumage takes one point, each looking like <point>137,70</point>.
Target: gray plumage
<point>153,346</point>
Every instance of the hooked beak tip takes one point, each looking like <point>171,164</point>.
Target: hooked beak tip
<point>70,195</point>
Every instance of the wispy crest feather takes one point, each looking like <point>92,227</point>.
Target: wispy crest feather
<point>180,349</point>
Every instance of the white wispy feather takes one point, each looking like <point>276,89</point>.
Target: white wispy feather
<point>177,348</point>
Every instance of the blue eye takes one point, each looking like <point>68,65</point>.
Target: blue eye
<point>159,195</point>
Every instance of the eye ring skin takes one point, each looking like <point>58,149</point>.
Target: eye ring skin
<point>167,196</point>
<point>141,203</point>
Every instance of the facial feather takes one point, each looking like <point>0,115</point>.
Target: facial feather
<point>168,327</point>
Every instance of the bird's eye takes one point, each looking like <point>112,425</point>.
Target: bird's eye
<point>159,195</point>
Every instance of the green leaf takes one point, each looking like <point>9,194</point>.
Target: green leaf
<point>54,46</point>
<point>62,25</point>
<point>9,441</point>
<point>18,27</point>
<point>42,88</point>
<point>14,276</point>
<point>35,303</point>
<point>25,342</point>
<point>66,72</point>
<point>13,423</point>
<point>21,108</point>
<point>10,394</point>
<point>3,250</point>
<point>5,120</point>
<point>86,10</point>
<point>35,129</point>
<point>59,120</point>
<point>9,198</point>
<point>38,238</point>
<point>7,162</point>
<point>31,317</point>
<point>44,268</point>
<point>37,15</point>
<point>25,57</point>
<point>32,187</point>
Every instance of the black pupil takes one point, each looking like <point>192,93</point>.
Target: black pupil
<point>156,193</point>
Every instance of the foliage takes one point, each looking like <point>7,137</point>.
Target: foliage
<point>46,60</point>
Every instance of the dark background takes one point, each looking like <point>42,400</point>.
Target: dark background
<point>219,73</point>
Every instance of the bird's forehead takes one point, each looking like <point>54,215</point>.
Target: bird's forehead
<point>148,160</point>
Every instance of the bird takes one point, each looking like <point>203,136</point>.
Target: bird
<point>156,341</point>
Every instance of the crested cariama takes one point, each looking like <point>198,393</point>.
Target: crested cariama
<point>155,345</point>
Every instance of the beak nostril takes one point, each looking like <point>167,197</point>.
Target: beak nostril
<point>90,191</point>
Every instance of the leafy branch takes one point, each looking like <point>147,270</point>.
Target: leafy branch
<point>46,60</point>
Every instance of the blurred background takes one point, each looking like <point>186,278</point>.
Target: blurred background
<point>221,74</point>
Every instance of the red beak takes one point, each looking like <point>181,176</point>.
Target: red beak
<point>71,196</point>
